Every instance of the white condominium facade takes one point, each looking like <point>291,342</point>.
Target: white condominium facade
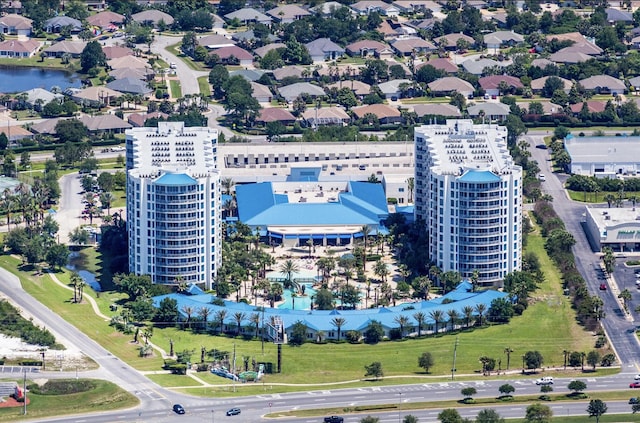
<point>173,203</point>
<point>468,193</point>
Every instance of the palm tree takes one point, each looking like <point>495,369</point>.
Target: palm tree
<point>420,318</point>
<point>475,276</point>
<point>453,317</point>
<point>381,270</point>
<point>401,320</point>
<point>625,296</point>
<point>8,202</point>
<point>411,186</point>
<point>81,286</point>
<point>227,185</point>
<point>366,231</point>
<point>338,322</point>
<point>437,316</point>
<point>480,309</point>
<point>467,311</point>
<point>255,319</point>
<point>106,199</point>
<point>239,317</point>
<point>188,310</point>
<point>435,272</point>
<point>75,280</point>
<point>508,352</point>
<point>204,313</point>
<point>288,268</point>
<point>220,316</point>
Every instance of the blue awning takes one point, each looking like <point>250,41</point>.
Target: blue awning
<point>317,236</point>
<point>358,235</point>
<point>332,236</point>
<point>279,236</point>
<point>290,236</point>
<point>344,236</point>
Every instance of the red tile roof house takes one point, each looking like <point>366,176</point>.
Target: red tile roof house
<point>275,114</point>
<point>234,55</point>
<point>106,20</point>
<point>385,114</point>
<point>440,63</point>
<point>15,48</point>
<point>365,48</point>
<point>593,106</point>
<point>138,119</point>
<point>491,84</point>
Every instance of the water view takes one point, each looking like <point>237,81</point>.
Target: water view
<point>15,80</point>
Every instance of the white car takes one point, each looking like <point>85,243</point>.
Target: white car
<point>548,380</point>
<point>636,377</point>
<point>541,177</point>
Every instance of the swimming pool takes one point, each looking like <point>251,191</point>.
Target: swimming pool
<point>301,302</point>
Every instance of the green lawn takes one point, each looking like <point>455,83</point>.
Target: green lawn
<point>106,396</point>
<point>176,90</point>
<point>175,49</point>
<point>174,380</point>
<point>204,86</point>
<point>597,197</point>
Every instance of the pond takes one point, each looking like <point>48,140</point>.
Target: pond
<point>88,277</point>
<point>19,79</point>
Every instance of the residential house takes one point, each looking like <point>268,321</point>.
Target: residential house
<point>94,96</point>
<point>440,63</point>
<point>538,84</point>
<point>392,90</point>
<point>128,62</point>
<point>291,92</point>
<point>260,92</point>
<point>414,6</point>
<point>436,109</point>
<point>359,88</point>
<point>451,84</point>
<point>635,83</point>
<point>15,134</point>
<point>38,97</point>
<point>108,123</point>
<point>153,17</point>
<point>392,29</point>
<point>15,25</point>
<point>215,41</point>
<point>137,120</point>
<point>409,46</point>
<point>46,126</point>
<point>424,24</point>
<point>593,106</point>
<point>541,63</point>
<point>106,21</point>
<point>581,44</point>
<point>367,48</point>
<point>249,37</point>
<point>130,86</point>
<point>12,6</point>
<point>498,39</point>
<point>288,13</point>
<point>275,114</point>
<point>604,84</point>
<point>333,115</point>
<point>477,67</point>
<point>386,114</point>
<point>567,57</point>
<point>290,72</point>
<point>72,48</point>
<point>365,7</point>
<point>248,15</point>
<point>20,49</point>
<point>635,42</point>
<point>55,24</point>
<point>143,74</point>
<point>327,8</point>
<point>491,111</point>
<point>615,15</point>
<point>491,84</point>
<point>262,51</point>
<point>248,74</point>
<point>450,41</point>
<point>234,55</point>
<point>548,107</point>
<point>323,49</point>
<point>115,52</point>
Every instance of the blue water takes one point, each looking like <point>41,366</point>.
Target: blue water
<point>88,277</point>
<point>15,80</point>
<point>301,303</point>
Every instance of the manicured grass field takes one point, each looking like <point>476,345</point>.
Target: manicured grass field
<point>176,90</point>
<point>106,396</point>
<point>203,84</point>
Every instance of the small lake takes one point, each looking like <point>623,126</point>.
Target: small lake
<point>19,79</point>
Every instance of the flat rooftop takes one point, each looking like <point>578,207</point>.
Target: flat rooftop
<point>603,149</point>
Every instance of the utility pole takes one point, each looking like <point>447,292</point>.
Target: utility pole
<point>455,352</point>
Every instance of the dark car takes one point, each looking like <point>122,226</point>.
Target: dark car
<point>333,419</point>
<point>634,400</point>
<point>603,287</point>
<point>634,385</point>
<point>233,412</point>
<point>178,409</point>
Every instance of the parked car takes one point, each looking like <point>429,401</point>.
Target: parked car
<point>333,419</point>
<point>634,400</point>
<point>178,409</point>
<point>547,380</point>
<point>634,385</point>
<point>233,412</point>
<point>603,287</point>
<point>541,177</point>
<point>636,377</point>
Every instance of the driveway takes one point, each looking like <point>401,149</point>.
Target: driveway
<point>187,76</point>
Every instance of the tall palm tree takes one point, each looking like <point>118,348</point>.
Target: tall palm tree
<point>475,276</point>
<point>81,286</point>
<point>381,270</point>
<point>437,316</point>
<point>204,313</point>
<point>420,318</point>
<point>366,231</point>
<point>338,322</point>
<point>227,185</point>
<point>467,311</point>
<point>401,320</point>
<point>75,280</point>
<point>8,202</point>
<point>106,199</point>
<point>188,310</point>
<point>219,317</point>
<point>288,268</point>
<point>625,296</point>
<point>454,316</point>
<point>411,186</point>
<point>480,309</point>
<point>255,319</point>
<point>239,317</point>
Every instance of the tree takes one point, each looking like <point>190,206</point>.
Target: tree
<point>437,316</point>
<point>369,419</point>
<point>374,332</point>
<point>596,409</point>
<point>489,415</point>
<point>625,296</point>
<point>538,413</point>
<point>501,310</point>
<point>298,333</point>
<point>533,359</point>
<point>577,386</point>
<point>57,256</point>
<point>167,312</point>
<point>468,392</point>
<point>450,415</point>
<point>338,322</point>
<point>218,76</point>
<point>426,361</point>
<point>71,130</point>
<point>506,390</point>
<point>410,419</point>
<point>288,268</point>
<point>593,358</point>
<point>374,369</point>
<point>92,56</point>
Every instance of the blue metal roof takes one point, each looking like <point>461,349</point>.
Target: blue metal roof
<point>304,174</point>
<point>479,176</point>
<point>370,193</point>
<point>175,179</point>
<point>253,199</point>
<point>301,214</point>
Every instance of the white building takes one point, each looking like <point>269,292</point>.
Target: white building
<point>613,227</point>
<point>468,192</point>
<point>173,203</point>
<point>603,157</point>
